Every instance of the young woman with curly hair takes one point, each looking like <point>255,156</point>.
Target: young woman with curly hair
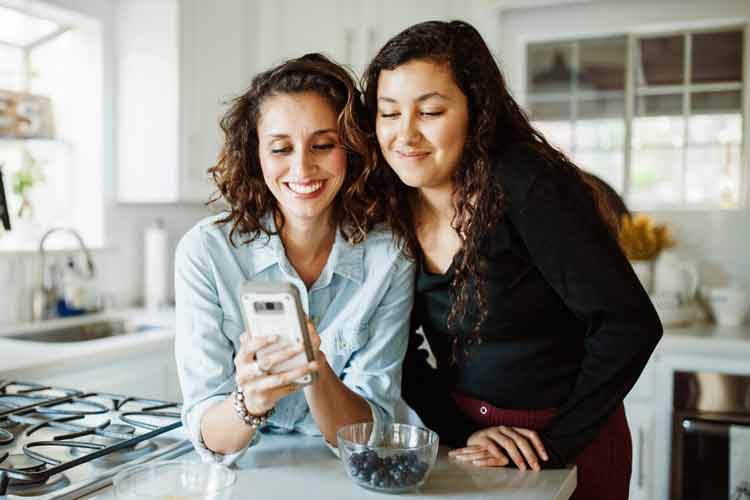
<point>293,173</point>
<point>537,323</point>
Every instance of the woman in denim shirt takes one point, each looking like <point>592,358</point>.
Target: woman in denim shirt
<point>293,171</point>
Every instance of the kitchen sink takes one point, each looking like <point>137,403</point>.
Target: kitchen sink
<point>82,332</point>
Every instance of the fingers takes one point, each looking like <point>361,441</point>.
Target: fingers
<point>314,337</point>
<point>536,441</point>
<point>478,456</point>
<point>280,379</point>
<point>524,446</point>
<point>515,445</point>
<point>268,361</point>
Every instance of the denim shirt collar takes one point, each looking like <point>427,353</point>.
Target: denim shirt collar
<point>346,259</point>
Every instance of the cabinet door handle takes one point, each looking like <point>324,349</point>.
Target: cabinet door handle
<point>641,468</point>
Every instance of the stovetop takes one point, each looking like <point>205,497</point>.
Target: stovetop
<point>59,443</point>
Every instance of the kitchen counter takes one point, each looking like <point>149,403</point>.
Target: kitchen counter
<point>706,339</point>
<point>18,356</point>
<point>302,467</point>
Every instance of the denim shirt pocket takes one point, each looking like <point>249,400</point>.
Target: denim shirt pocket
<point>340,344</point>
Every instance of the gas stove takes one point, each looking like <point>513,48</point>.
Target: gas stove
<point>59,443</point>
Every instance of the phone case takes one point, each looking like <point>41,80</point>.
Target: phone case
<point>274,308</point>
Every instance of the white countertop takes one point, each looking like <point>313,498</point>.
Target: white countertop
<point>706,339</point>
<point>301,467</point>
<point>17,355</point>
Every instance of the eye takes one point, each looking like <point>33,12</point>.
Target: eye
<point>432,113</point>
<point>388,115</point>
<point>324,147</point>
<point>281,151</point>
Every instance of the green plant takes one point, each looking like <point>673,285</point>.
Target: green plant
<point>29,175</point>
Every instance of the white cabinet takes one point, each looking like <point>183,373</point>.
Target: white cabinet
<point>641,421</point>
<point>640,411</point>
<point>179,62</point>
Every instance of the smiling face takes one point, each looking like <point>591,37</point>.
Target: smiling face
<point>422,123</point>
<point>300,155</point>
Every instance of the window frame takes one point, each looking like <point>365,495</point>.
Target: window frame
<point>632,92</point>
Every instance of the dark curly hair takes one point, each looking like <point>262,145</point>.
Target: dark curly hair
<point>238,176</point>
<point>496,124</point>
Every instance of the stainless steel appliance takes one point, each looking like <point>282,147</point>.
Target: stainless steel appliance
<point>706,405</point>
<point>59,443</point>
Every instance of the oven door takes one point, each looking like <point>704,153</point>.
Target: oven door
<point>700,455</point>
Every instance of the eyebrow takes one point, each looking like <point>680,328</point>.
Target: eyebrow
<point>421,98</point>
<point>317,132</point>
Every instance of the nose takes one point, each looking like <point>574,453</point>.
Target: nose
<point>302,163</point>
<point>408,132</point>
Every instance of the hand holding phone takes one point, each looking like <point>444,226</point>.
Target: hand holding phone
<point>262,384</point>
<point>274,309</point>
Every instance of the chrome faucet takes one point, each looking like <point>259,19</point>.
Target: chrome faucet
<point>46,295</point>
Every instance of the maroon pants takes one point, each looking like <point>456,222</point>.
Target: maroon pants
<point>604,466</point>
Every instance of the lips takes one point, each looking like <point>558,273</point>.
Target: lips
<point>413,155</point>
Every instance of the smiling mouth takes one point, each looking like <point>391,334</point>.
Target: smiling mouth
<point>413,155</point>
<point>304,187</point>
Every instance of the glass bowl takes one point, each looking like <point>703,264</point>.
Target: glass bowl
<point>389,458</point>
<point>174,480</point>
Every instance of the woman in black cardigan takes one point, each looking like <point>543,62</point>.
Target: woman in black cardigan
<point>537,322</point>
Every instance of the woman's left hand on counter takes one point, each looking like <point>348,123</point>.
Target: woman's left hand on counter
<point>485,448</point>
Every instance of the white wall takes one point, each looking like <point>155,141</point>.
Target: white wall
<point>719,239</point>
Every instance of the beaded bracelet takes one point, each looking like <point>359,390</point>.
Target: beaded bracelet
<point>254,421</point>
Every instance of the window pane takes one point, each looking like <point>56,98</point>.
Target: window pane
<point>607,165</point>
<point>11,68</point>
<point>717,57</point>
<point>715,129</point>
<point>18,28</point>
<point>557,133</point>
<point>655,176</point>
<point>601,108</point>
<point>713,175</point>
<point>715,102</point>
<point>661,61</point>
<point>658,105</point>
<point>602,64</point>
<point>599,134</point>
<point>658,131</point>
<point>549,68</point>
<point>551,110</point>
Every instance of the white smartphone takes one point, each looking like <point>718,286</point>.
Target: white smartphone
<point>273,308</point>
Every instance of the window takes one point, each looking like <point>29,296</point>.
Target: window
<point>659,117</point>
<point>51,124</point>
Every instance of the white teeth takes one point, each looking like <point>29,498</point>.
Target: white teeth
<point>304,188</point>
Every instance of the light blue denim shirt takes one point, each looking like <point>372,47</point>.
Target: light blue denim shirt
<point>360,305</point>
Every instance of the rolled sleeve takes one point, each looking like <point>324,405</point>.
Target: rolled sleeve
<point>204,353</point>
<point>374,370</point>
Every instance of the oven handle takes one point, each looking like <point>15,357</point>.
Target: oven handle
<point>691,426</point>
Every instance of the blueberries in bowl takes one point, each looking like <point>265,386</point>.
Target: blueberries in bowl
<point>403,470</point>
<point>390,458</point>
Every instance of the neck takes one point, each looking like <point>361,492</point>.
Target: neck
<point>308,240</point>
<point>436,203</point>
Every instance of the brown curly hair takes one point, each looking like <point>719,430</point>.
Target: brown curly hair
<point>238,175</point>
<point>496,123</point>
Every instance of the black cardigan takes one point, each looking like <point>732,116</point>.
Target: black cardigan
<point>569,325</point>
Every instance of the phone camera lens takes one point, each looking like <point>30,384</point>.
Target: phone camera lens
<point>270,306</point>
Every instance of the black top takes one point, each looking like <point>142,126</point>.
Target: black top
<point>569,325</point>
